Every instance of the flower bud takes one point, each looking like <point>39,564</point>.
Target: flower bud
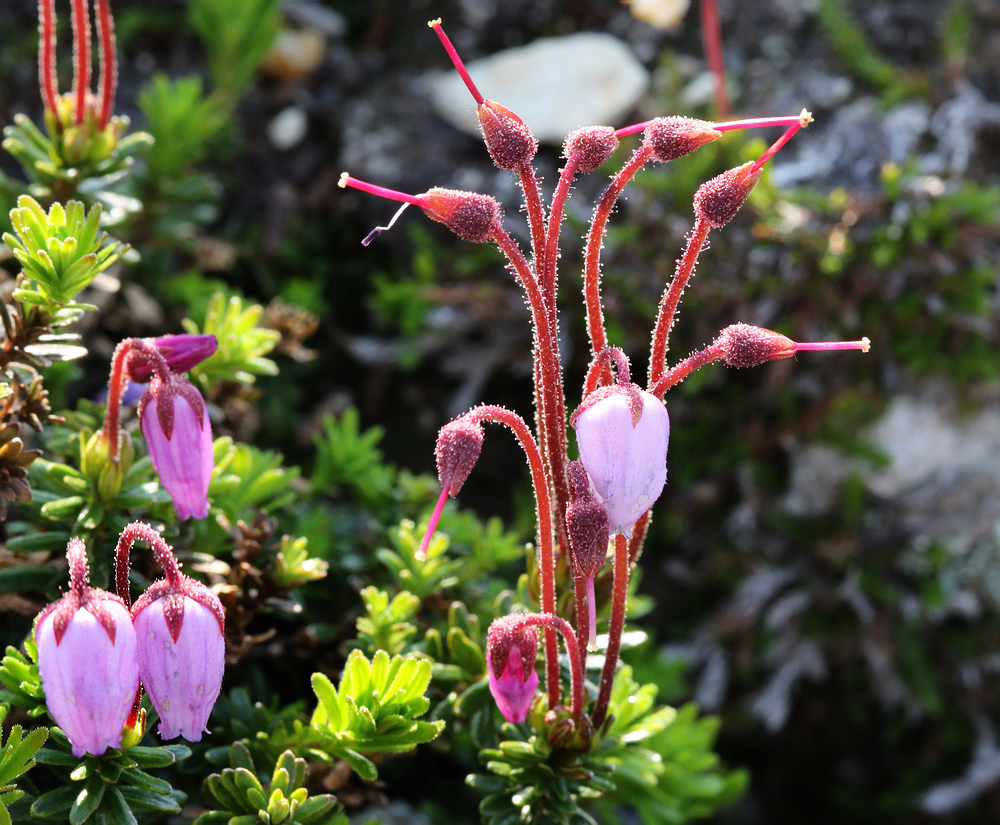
<point>508,139</point>
<point>174,421</point>
<point>179,628</point>
<point>96,462</point>
<point>87,661</point>
<point>669,138</point>
<point>181,352</point>
<point>622,434</point>
<point>590,147</point>
<point>586,523</point>
<point>511,651</point>
<point>457,450</point>
<point>471,216</point>
<point>718,200</point>
<point>742,345</point>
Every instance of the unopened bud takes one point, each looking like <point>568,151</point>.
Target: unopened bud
<point>471,216</point>
<point>718,200</point>
<point>590,146</point>
<point>457,450</point>
<point>670,138</point>
<point>586,523</point>
<point>743,345</point>
<point>509,140</point>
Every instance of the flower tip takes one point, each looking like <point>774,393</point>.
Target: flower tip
<point>805,118</point>
<point>433,24</point>
<point>344,179</point>
<point>866,344</point>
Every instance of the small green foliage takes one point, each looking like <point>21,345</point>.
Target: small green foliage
<point>374,710</point>
<point>293,566</point>
<point>860,57</point>
<point>61,253</point>
<point>243,344</point>
<point>421,578</point>
<point>347,458</point>
<point>247,478</point>
<point>240,798</point>
<point>183,122</point>
<point>386,625</point>
<point>18,758</point>
<point>63,158</point>
<point>663,761</point>
<point>237,35</point>
<point>22,686</point>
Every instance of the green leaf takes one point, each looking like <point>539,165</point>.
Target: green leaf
<point>87,800</point>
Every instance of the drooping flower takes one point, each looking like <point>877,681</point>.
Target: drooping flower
<point>179,629</point>
<point>622,434</point>
<point>511,651</point>
<point>174,420</point>
<point>87,661</point>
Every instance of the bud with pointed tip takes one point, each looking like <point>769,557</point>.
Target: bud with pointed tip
<point>718,200</point>
<point>622,434</point>
<point>509,140</point>
<point>590,146</point>
<point>181,352</point>
<point>511,652</point>
<point>587,526</point>
<point>174,421</point>
<point>87,661</point>
<point>669,138</point>
<point>471,216</point>
<point>742,345</point>
<point>459,444</point>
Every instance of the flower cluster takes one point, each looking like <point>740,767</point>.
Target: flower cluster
<point>173,415</point>
<point>599,506</point>
<point>95,649</point>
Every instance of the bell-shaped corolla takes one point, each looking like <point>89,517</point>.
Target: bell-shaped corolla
<point>174,420</point>
<point>87,661</point>
<point>179,629</point>
<point>511,652</point>
<point>622,434</point>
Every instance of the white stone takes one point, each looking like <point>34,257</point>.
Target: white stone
<point>660,14</point>
<point>287,128</point>
<point>555,85</point>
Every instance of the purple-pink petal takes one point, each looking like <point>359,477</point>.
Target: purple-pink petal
<point>514,690</point>
<point>627,464</point>
<point>90,682</point>
<point>183,678</point>
<point>184,461</point>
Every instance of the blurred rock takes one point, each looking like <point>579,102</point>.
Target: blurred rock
<point>555,85</point>
<point>287,128</point>
<point>942,475</point>
<point>661,14</point>
<point>296,54</point>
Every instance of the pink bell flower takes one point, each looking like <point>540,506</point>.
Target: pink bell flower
<point>181,352</point>
<point>181,655</point>
<point>174,420</point>
<point>622,434</point>
<point>511,651</point>
<point>87,661</point>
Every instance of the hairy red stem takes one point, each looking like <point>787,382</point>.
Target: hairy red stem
<point>545,548</point>
<point>672,297</point>
<point>618,605</point>
<point>81,57</point>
